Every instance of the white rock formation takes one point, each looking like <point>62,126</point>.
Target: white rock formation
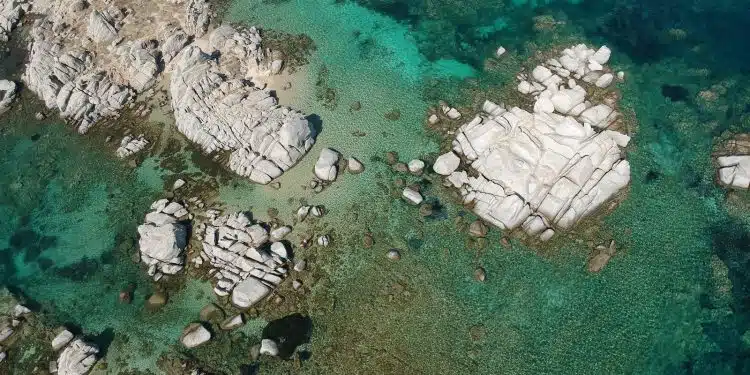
<point>263,139</point>
<point>326,168</point>
<point>138,63</point>
<point>733,162</point>
<point>416,166</point>
<point>62,339</point>
<point>77,358</point>
<point>8,93</point>
<point>269,347</point>
<point>446,163</point>
<point>197,17</point>
<point>355,166</point>
<point>195,334</point>
<point>69,82</point>
<point>163,238</point>
<point>241,52</point>
<point>239,250</point>
<point>11,12</point>
<point>542,170</point>
<point>103,26</point>
<point>131,145</point>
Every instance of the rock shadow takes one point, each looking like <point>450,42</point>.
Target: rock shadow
<point>289,332</point>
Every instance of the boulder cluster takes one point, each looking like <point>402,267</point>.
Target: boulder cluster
<point>92,59</point>
<point>163,238</point>
<point>249,260</point>
<point>550,167</point>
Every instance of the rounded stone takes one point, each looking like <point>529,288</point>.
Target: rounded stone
<point>479,274</point>
<point>478,229</point>
<point>394,254</point>
<point>391,157</point>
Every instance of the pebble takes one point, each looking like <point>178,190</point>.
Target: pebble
<point>478,229</point>
<point>500,51</point>
<point>355,166</point>
<point>324,241</point>
<point>276,185</point>
<point>296,284</point>
<point>416,166</point>
<point>394,254</point>
<point>300,265</point>
<point>425,209</point>
<point>480,274</point>
<point>401,168</point>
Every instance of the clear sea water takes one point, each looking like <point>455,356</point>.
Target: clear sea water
<point>674,300</point>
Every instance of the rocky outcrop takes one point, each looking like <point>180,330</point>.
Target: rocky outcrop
<point>248,266</point>
<point>11,12</point>
<point>77,358</point>
<point>733,162</point>
<point>194,334</point>
<point>547,169</point>
<point>174,39</point>
<point>164,238</point>
<point>103,26</point>
<point>197,17</point>
<point>8,93</point>
<point>241,52</point>
<point>69,82</point>
<point>139,63</point>
<point>131,145</point>
<point>262,138</point>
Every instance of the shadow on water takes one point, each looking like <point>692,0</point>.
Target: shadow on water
<point>289,332</point>
<point>103,340</point>
<point>316,122</point>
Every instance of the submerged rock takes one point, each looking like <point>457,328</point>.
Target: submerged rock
<point>131,145</point>
<point>542,169</point>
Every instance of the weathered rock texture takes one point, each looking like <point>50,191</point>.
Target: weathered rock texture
<point>11,12</point>
<point>547,169</point>
<point>8,93</point>
<point>77,358</point>
<point>131,145</point>
<point>164,238</point>
<point>263,139</point>
<point>248,266</point>
<point>733,162</point>
<point>90,59</point>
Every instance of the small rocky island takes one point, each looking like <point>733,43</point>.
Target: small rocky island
<point>553,166</point>
<point>91,60</point>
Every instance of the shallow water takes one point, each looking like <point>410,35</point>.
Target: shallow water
<point>673,300</point>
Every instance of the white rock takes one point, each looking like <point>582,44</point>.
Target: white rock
<point>222,113</point>
<point>416,166</point>
<point>327,164</point>
<point>249,292</point>
<point>621,75</point>
<point>178,184</point>
<point>412,196</point>
<point>279,233</point>
<point>11,12</point>
<point>446,163</point>
<point>453,114</point>
<point>500,51</point>
<point>324,241</point>
<point>131,145</point>
<point>195,334</point>
<point>433,119</point>
<point>545,169</point>
<point>355,166</point>
<point>62,339</point>
<point>8,89</point>
<point>163,239</point>
<point>605,80</point>
<point>269,347</point>
<point>78,358</point>
<point>602,55</point>
<point>279,249</point>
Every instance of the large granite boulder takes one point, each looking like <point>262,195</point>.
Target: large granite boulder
<point>546,169</point>
<point>163,238</point>
<point>69,82</point>
<point>8,93</point>
<point>103,26</point>
<point>11,12</point>
<point>77,358</point>
<point>262,138</point>
<point>173,40</point>
<point>247,266</point>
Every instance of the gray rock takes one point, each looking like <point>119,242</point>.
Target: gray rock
<point>8,93</point>
<point>11,12</point>
<point>78,358</point>
<point>130,145</point>
<point>139,65</point>
<point>61,339</point>
<point>163,239</point>
<point>194,334</point>
<point>269,347</point>
<point>221,114</point>
<point>327,164</point>
<point>249,292</point>
<point>197,17</point>
<point>103,26</point>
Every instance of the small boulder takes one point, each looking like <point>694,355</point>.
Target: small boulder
<point>194,334</point>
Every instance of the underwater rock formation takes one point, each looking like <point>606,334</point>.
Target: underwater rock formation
<point>163,238</point>
<point>8,93</point>
<point>549,168</point>
<point>733,162</point>
<point>247,266</point>
<point>130,145</point>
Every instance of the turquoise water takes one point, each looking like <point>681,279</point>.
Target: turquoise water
<point>673,300</point>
